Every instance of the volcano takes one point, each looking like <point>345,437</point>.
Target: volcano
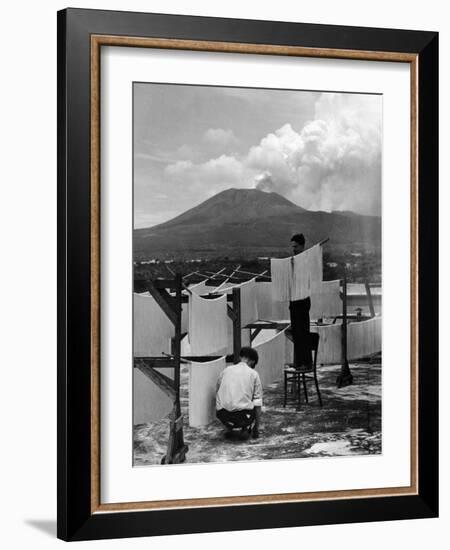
<point>242,219</point>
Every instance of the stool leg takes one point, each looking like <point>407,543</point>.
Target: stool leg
<point>297,381</point>
<point>317,388</point>
<point>285,389</point>
<point>304,388</point>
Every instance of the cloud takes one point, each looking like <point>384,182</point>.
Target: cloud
<point>220,138</point>
<point>203,180</point>
<point>162,158</point>
<point>332,163</point>
<point>212,143</point>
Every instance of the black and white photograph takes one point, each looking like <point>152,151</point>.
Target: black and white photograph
<point>224,289</point>
<point>257,274</point>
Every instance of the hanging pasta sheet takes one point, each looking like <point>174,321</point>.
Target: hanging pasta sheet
<point>326,302</point>
<point>208,325</point>
<point>281,270</point>
<point>272,358</point>
<point>152,329</point>
<point>200,288</point>
<point>268,308</point>
<point>150,403</point>
<point>364,338</point>
<point>264,300</point>
<point>330,344</point>
<point>202,391</point>
<point>249,305</point>
<point>296,277</point>
<point>307,273</point>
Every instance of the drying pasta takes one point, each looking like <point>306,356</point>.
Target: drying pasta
<point>282,278</point>
<point>202,391</point>
<point>307,273</point>
<point>249,305</point>
<point>152,330</point>
<point>364,338</point>
<point>207,325</point>
<point>326,302</point>
<point>272,357</point>
<point>150,402</point>
<point>296,277</point>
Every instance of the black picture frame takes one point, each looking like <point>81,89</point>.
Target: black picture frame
<point>76,518</point>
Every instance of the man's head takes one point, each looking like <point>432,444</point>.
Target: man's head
<point>298,243</point>
<point>249,356</point>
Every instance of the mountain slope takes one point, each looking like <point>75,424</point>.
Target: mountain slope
<point>240,219</point>
<point>233,205</point>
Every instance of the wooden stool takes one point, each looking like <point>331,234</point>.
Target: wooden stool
<point>294,374</point>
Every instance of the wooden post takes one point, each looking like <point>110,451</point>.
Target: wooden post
<point>177,341</point>
<point>345,377</point>
<point>369,297</point>
<point>176,449</point>
<point>236,324</point>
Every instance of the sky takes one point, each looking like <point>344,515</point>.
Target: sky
<point>320,150</point>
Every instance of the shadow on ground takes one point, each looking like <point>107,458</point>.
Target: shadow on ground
<point>348,424</point>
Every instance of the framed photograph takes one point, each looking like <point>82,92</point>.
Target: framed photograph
<point>247,252</point>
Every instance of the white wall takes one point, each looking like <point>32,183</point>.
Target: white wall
<point>28,230</point>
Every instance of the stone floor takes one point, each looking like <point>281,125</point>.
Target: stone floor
<point>349,423</point>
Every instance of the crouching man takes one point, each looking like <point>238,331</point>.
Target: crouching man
<point>239,395</point>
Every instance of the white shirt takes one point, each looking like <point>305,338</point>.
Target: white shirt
<point>238,388</point>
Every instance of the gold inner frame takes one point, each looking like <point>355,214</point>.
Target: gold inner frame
<point>97,41</point>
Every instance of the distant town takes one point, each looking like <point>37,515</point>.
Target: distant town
<point>359,264</point>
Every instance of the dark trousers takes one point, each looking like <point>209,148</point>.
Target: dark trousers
<point>236,419</point>
<point>299,310</point>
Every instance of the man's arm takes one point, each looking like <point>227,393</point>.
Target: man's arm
<point>219,380</point>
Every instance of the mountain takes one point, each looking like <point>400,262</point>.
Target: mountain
<point>242,219</point>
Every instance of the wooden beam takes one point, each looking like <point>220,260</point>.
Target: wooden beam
<point>177,341</point>
<point>345,377</point>
<point>164,300</point>
<point>351,317</point>
<point>262,326</point>
<point>255,333</point>
<point>212,275</point>
<point>163,382</point>
<point>190,275</point>
<point>369,297</point>
<point>271,325</point>
<point>226,280</point>
<point>230,279</point>
<point>176,448</point>
<point>164,284</point>
<point>263,274</point>
<point>230,312</point>
<point>155,362</point>
<point>236,323</point>
<point>199,358</point>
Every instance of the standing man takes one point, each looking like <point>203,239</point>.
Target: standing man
<point>299,312</point>
<point>239,395</point>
